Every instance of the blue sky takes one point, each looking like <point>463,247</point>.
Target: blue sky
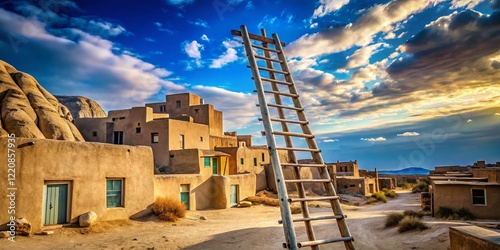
<point>391,84</point>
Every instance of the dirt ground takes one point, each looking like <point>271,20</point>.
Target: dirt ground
<point>255,227</point>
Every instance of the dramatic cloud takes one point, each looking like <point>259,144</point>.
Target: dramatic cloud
<point>409,134</point>
<point>455,4</point>
<point>362,56</point>
<point>327,6</point>
<point>374,139</point>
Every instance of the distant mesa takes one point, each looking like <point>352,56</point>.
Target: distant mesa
<point>30,111</point>
<point>81,107</point>
<point>406,171</point>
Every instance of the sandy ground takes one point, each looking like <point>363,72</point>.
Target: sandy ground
<point>244,228</point>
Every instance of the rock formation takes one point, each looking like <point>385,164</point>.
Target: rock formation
<point>28,110</point>
<point>81,107</point>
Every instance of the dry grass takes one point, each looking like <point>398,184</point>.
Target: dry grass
<point>389,193</point>
<point>420,187</point>
<point>413,213</point>
<point>380,196</point>
<point>371,200</point>
<point>409,223</point>
<point>169,209</point>
<point>393,219</point>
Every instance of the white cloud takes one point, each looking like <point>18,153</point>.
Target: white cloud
<point>249,6</point>
<point>200,22</point>
<point>149,39</point>
<point>469,4</point>
<point>192,49</point>
<point>362,56</point>
<point>205,38</point>
<point>409,134</point>
<point>328,6</point>
<point>330,140</point>
<point>374,139</point>
<point>230,55</point>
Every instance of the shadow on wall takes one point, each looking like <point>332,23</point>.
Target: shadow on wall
<point>212,193</point>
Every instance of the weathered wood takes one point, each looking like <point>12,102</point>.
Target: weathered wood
<point>256,37</point>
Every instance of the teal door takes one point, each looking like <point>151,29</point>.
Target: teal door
<point>56,204</point>
<point>214,166</point>
<point>234,195</point>
<point>185,195</point>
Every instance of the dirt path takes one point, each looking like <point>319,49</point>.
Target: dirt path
<point>243,228</point>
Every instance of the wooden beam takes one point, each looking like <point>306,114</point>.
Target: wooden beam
<point>256,37</point>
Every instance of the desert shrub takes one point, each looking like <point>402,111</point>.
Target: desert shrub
<point>411,223</point>
<point>169,209</point>
<point>413,213</point>
<point>389,193</point>
<point>380,196</point>
<point>444,212</point>
<point>393,219</point>
<point>371,200</point>
<point>465,214</point>
<point>405,185</point>
<point>420,187</point>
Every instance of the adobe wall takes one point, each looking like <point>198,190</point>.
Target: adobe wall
<point>356,185</point>
<point>222,141</point>
<point>85,166</point>
<point>246,185</point>
<point>493,174</point>
<point>185,161</point>
<point>169,186</point>
<point>473,238</point>
<point>193,134</point>
<point>457,196</point>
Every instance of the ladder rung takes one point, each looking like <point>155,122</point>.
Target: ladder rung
<point>287,121</point>
<point>283,107</point>
<point>292,134</point>
<point>309,181</point>
<point>329,217</point>
<point>321,242</point>
<point>275,81</point>
<point>278,93</point>
<point>264,48</point>
<point>303,165</point>
<point>271,70</point>
<point>322,198</point>
<point>256,37</point>
<point>301,149</point>
<point>268,59</point>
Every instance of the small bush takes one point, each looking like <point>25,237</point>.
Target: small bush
<point>393,219</point>
<point>465,214</point>
<point>389,193</point>
<point>380,196</point>
<point>413,213</point>
<point>420,187</point>
<point>371,200</point>
<point>411,223</point>
<point>169,209</point>
<point>405,185</point>
<point>444,212</point>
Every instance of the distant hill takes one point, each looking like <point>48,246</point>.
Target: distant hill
<point>406,171</point>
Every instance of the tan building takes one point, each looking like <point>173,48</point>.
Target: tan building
<point>57,181</point>
<point>348,168</point>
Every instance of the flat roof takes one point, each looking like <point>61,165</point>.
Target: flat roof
<point>470,183</point>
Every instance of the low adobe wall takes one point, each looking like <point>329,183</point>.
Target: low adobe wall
<point>473,238</point>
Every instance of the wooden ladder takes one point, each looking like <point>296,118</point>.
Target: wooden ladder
<point>287,111</point>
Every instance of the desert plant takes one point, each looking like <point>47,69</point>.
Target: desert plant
<point>389,193</point>
<point>169,209</point>
<point>413,213</point>
<point>405,185</point>
<point>393,219</point>
<point>444,212</point>
<point>371,200</point>
<point>379,196</point>
<point>465,214</point>
<point>411,223</point>
<point>420,187</point>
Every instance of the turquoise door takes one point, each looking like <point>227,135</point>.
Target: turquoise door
<point>234,194</point>
<point>185,195</point>
<point>56,204</point>
<point>214,166</point>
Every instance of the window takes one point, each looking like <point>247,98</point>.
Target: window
<point>114,119</point>
<point>118,137</point>
<point>479,197</point>
<point>181,141</point>
<point>263,157</point>
<point>137,130</point>
<point>255,162</point>
<point>242,161</point>
<point>122,118</point>
<point>196,111</point>
<point>178,104</point>
<point>114,193</point>
<point>155,138</point>
<point>206,162</point>
<point>352,185</point>
<point>163,108</point>
<point>94,133</point>
<point>201,138</point>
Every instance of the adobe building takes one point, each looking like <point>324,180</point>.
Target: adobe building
<point>348,179</point>
<point>57,181</point>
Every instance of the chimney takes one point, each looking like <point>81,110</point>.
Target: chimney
<point>202,101</point>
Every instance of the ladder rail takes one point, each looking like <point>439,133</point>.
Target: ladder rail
<point>271,142</point>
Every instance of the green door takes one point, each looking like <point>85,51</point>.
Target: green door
<point>56,204</point>
<point>234,194</point>
<point>214,166</point>
<point>185,195</point>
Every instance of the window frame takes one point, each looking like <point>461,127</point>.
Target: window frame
<point>138,130</point>
<point>118,139</point>
<point>178,104</point>
<point>155,135</point>
<point>255,162</point>
<point>181,141</point>
<point>122,189</point>
<point>242,161</point>
<point>485,203</point>
<point>205,162</point>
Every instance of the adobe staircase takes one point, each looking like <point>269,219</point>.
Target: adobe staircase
<point>280,104</point>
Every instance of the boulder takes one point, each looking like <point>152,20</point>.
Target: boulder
<point>245,204</point>
<point>30,111</point>
<point>87,219</point>
<point>81,107</point>
<point>23,227</point>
